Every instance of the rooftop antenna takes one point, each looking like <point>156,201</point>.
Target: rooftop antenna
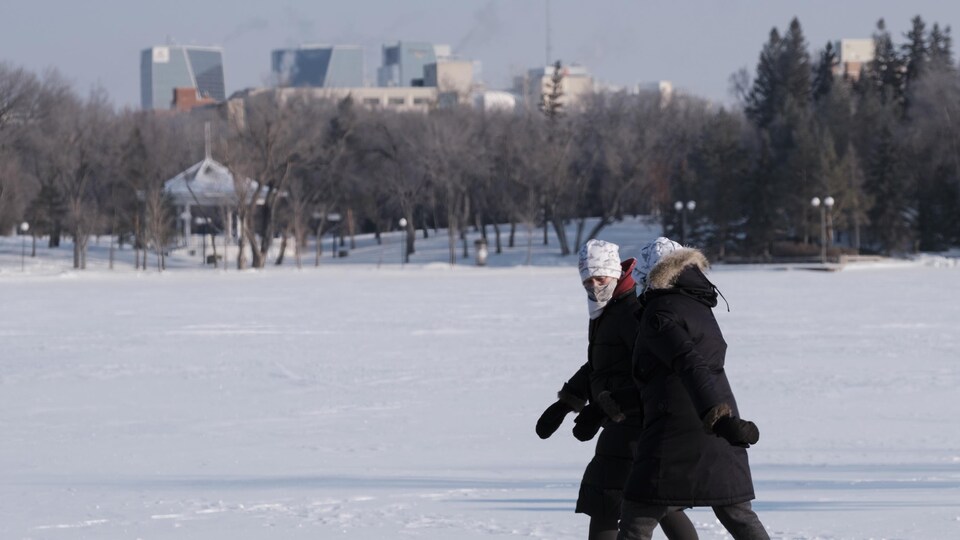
<point>549,52</point>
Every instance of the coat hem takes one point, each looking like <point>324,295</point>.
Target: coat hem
<point>688,503</point>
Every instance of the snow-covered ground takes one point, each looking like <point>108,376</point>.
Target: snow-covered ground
<point>377,402</point>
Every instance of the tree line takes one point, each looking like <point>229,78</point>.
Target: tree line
<point>882,145</point>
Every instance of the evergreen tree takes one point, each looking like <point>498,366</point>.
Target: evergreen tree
<point>550,104</point>
<point>933,143</point>
<point>886,69</point>
<point>893,211</point>
<point>721,161</point>
<point>759,194</point>
<point>834,113</point>
<point>823,72</point>
<point>762,100</point>
<point>783,76</point>
<point>940,48</point>
<point>798,169</point>
<point>795,66</point>
<point>915,52</point>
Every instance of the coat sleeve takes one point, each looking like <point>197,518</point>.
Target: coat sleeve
<point>579,384</point>
<point>673,345</point>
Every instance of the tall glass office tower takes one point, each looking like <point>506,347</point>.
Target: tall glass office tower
<point>319,65</point>
<point>403,63</point>
<point>164,68</point>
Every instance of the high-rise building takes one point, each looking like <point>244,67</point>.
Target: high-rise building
<point>854,55</point>
<point>403,63</point>
<point>575,83</point>
<point>329,66</point>
<point>449,75</point>
<point>164,68</point>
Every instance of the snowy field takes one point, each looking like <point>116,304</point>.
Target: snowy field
<point>373,401</point>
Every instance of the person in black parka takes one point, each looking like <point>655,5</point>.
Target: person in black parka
<point>692,449</point>
<point>612,300</point>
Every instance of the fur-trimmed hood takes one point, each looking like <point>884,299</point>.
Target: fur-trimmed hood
<point>665,273</point>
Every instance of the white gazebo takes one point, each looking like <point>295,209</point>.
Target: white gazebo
<point>206,184</point>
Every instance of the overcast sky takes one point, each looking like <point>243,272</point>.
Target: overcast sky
<point>695,44</point>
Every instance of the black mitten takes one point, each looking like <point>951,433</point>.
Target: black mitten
<point>610,406</point>
<point>736,431</point>
<point>567,401</point>
<point>588,422</point>
<point>551,418</point>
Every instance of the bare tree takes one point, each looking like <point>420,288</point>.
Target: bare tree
<point>447,154</point>
<point>19,93</point>
<point>71,146</point>
<point>609,160</point>
<point>153,150</point>
<point>265,144</point>
<point>317,183</point>
<point>394,143</point>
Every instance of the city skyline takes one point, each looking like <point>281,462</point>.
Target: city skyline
<point>622,43</point>
<point>166,68</point>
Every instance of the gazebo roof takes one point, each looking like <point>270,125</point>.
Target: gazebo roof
<point>207,183</point>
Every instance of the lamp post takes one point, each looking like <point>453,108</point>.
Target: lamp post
<point>683,208</point>
<point>403,241</point>
<point>333,219</point>
<point>187,233</point>
<point>317,219</point>
<point>202,221</point>
<point>24,227</point>
<point>824,205</point>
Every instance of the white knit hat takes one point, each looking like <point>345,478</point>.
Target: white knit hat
<point>599,258</point>
<point>650,255</point>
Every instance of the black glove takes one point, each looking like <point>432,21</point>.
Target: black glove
<point>588,422</point>
<point>736,431</point>
<point>551,419</point>
<point>610,406</point>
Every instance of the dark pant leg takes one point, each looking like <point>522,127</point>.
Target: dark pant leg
<point>741,521</point>
<point>603,528</point>
<point>677,526</point>
<point>638,520</point>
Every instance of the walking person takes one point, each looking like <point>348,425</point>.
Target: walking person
<point>611,302</point>
<point>692,449</point>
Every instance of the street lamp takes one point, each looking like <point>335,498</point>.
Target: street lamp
<point>824,205</point>
<point>202,221</point>
<point>187,233</point>
<point>683,208</point>
<point>403,237</point>
<point>24,227</point>
<point>317,216</point>
<point>333,219</point>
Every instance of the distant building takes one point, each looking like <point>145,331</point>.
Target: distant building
<point>854,55</point>
<point>187,99</point>
<point>164,68</point>
<point>400,99</point>
<point>576,83</point>
<point>495,100</point>
<point>324,66</point>
<point>403,63</point>
<point>449,75</point>
<point>453,80</point>
<point>664,88</point>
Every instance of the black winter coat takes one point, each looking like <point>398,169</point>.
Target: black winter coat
<point>608,368</point>
<point>678,362</point>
